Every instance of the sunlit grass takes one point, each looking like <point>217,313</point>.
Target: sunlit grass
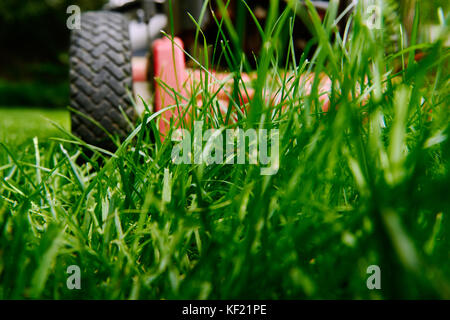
<point>21,124</point>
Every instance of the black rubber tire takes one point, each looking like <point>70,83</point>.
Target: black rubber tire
<point>100,74</point>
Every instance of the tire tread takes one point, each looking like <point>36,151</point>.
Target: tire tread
<point>100,74</point>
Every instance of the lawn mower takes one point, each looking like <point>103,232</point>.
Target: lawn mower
<point>118,52</point>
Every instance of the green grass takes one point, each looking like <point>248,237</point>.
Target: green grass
<point>364,184</point>
<point>20,125</point>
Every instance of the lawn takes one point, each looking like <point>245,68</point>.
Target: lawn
<point>19,125</point>
<point>364,183</point>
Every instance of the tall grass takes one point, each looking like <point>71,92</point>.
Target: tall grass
<point>365,183</point>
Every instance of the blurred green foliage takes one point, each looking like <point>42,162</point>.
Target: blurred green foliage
<point>34,42</point>
<point>34,93</point>
<point>35,30</point>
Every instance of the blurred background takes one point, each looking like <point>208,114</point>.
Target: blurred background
<point>34,58</point>
<point>34,42</point>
